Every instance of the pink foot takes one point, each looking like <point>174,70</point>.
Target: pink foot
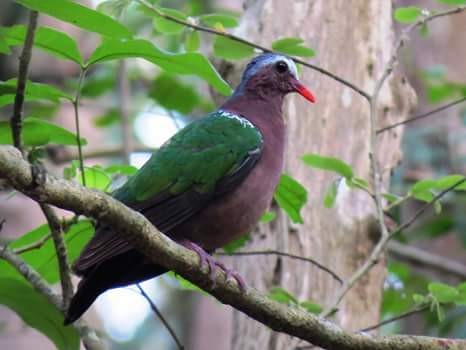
<point>207,260</point>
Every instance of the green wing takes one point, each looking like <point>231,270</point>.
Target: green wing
<point>207,158</point>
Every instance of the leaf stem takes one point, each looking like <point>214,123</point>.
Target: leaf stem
<point>76,100</point>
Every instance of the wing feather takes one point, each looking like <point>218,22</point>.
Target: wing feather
<point>167,209</point>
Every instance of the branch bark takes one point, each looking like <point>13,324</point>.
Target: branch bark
<point>17,117</point>
<point>161,250</point>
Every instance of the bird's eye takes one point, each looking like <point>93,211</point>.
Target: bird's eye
<point>281,67</point>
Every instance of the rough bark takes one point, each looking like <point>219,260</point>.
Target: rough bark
<point>353,39</point>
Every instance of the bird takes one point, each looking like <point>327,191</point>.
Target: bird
<point>206,186</point>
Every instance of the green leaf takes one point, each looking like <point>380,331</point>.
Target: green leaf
<point>230,49</point>
<point>268,216</point>
<point>233,246</point>
<point>172,94</point>
<point>452,2</point>
<point>328,163</point>
<point>80,16</point>
<point>390,197</point>
<point>422,186</point>
<point>357,182</point>
<point>38,132</point>
<point>419,299</point>
<point>111,117</point>
<point>122,169</point>
<point>187,63</point>
<point>114,8</point>
<point>96,86</point>
<point>424,30</point>
<point>44,259</point>
<point>192,41</point>
<point>282,296</point>
<point>331,194</point>
<point>407,14</point>
<point>291,197</point>
<point>96,178</point>
<point>293,46</point>
<point>439,92</point>
<point>461,299</point>
<point>36,311</point>
<point>167,26</point>
<point>33,92</point>
<point>311,307</point>
<point>211,20</point>
<point>443,292</point>
<point>49,39</point>
<point>447,181</point>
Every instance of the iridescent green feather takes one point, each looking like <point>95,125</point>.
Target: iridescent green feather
<point>198,156</point>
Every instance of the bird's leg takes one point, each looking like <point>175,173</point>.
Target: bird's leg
<point>207,259</point>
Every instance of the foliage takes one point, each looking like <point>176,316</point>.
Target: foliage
<point>173,52</point>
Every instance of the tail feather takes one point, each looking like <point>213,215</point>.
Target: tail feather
<point>119,271</point>
<point>88,290</point>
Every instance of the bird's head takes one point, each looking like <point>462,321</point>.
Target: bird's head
<point>272,75</point>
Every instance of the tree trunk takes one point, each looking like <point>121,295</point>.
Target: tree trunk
<point>353,39</point>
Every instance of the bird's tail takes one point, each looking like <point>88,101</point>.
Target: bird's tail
<point>88,290</point>
<point>112,274</point>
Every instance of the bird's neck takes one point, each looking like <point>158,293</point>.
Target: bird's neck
<point>266,115</point>
<point>256,107</point>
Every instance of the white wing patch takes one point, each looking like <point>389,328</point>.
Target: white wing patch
<point>244,122</point>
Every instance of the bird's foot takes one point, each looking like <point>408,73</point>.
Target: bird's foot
<point>207,260</point>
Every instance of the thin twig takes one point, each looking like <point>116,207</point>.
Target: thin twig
<point>427,206</point>
<point>76,99</point>
<point>124,94</point>
<point>35,245</point>
<point>288,255</point>
<point>422,115</point>
<point>160,316</point>
<point>396,318</point>
<point>251,44</point>
<point>16,120</point>
<point>62,254</point>
<point>424,259</point>
<point>68,154</point>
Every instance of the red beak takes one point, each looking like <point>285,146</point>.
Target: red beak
<point>303,91</point>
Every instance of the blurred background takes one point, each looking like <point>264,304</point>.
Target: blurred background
<point>135,92</point>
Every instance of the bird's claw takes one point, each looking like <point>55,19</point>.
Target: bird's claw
<point>205,259</point>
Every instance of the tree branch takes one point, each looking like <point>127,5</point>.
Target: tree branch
<point>16,120</point>
<point>251,44</point>
<point>62,254</point>
<point>137,230</point>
